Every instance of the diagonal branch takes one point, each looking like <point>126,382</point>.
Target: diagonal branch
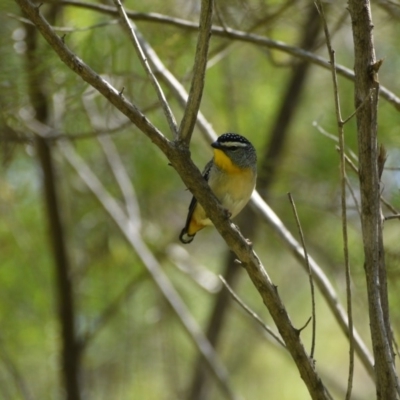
<point>252,314</point>
<point>122,178</point>
<point>132,35</point>
<point>343,182</point>
<point>199,72</point>
<point>310,275</point>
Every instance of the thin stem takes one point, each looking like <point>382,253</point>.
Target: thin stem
<point>310,276</point>
<point>343,182</point>
<point>132,35</point>
<point>199,72</point>
<point>251,312</point>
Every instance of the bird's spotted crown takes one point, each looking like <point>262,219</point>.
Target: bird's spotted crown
<point>233,139</point>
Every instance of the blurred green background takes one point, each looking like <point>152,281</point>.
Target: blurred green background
<point>141,350</point>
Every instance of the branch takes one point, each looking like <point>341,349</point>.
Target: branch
<point>251,312</point>
<point>310,275</point>
<point>132,36</point>
<point>199,72</point>
<point>343,182</point>
<point>176,87</point>
<point>122,178</point>
<point>366,82</point>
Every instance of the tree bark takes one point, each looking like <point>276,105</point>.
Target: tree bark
<point>366,98</point>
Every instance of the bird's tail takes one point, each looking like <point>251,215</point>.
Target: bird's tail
<point>184,237</point>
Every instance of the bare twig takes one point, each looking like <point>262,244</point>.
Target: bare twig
<point>334,138</point>
<point>199,70</point>
<point>310,275</point>
<point>353,196</point>
<point>351,163</point>
<point>389,217</point>
<point>343,181</point>
<point>251,312</point>
<point>122,178</point>
<point>176,87</point>
<point>132,35</point>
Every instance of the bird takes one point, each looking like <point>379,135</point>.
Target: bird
<point>231,175</point>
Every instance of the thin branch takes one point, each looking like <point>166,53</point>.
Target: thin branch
<point>123,180</point>
<point>176,87</point>
<point>343,181</point>
<point>251,312</point>
<point>389,217</point>
<point>346,120</point>
<point>132,35</point>
<point>186,263</point>
<point>353,196</point>
<point>199,71</point>
<point>310,276</point>
<point>334,138</point>
<point>351,163</point>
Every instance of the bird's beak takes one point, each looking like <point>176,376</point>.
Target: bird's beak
<point>216,145</point>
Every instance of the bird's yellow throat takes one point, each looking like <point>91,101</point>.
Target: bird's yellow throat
<point>223,162</point>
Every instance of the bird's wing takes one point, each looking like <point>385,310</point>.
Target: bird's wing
<point>193,203</point>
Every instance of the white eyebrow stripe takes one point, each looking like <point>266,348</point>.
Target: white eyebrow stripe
<point>233,144</point>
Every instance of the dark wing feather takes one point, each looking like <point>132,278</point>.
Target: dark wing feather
<point>193,203</point>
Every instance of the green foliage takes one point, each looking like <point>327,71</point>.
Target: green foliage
<point>142,351</point>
